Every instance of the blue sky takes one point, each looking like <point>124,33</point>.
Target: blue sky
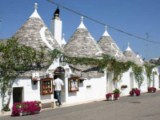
<point>134,16</point>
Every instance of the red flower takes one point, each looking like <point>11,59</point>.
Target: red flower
<point>151,89</point>
<point>108,96</point>
<point>135,91</point>
<point>26,108</point>
<point>116,96</point>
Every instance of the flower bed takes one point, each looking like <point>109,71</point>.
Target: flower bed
<point>135,91</point>
<point>151,89</point>
<point>26,108</point>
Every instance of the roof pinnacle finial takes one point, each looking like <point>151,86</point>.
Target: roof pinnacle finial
<point>105,32</point>
<point>35,13</point>
<point>82,24</point>
<point>35,6</point>
<point>63,40</point>
<point>128,48</point>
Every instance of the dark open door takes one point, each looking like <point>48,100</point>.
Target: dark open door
<point>17,94</point>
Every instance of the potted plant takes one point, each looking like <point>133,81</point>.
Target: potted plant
<point>134,91</point>
<point>116,94</point>
<point>151,89</point>
<point>154,89</point>
<point>137,92</point>
<point>109,96</point>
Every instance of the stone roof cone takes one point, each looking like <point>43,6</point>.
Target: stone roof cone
<point>131,56</point>
<point>82,44</point>
<point>35,34</point>
<point>109,46</point>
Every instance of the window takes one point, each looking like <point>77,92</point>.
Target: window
<point>73,84</point>
<point>46,86</point>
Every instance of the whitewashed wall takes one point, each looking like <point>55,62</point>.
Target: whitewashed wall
<point>92,89</point>
<point>129,79</point>
<point>156,81</point>
<point>144,85</point>
<point>30,92</point>
<point>126,80</point>
<point>89,90</point>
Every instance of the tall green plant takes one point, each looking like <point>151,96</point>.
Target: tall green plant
<point>149,68</point>
<point>138,73</point>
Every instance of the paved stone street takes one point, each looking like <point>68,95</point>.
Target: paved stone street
<point>145,107</point>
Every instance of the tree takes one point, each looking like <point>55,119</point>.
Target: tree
<point>16,59</point>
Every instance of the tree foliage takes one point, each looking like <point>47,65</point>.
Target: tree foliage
<point>149,68</point>
<point>138,73</point>
<point>105,61</point>
<point>117,67</point>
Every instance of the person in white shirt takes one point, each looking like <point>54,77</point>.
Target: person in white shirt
<point>58,84</point>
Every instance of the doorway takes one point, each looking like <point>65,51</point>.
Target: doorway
<point>109,82</point>
<point>17,94</point>
<point>131,80</point>
<point>60,73</point>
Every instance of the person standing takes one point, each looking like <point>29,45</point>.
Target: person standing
<point>58,85</point>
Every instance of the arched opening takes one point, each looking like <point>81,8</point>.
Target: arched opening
<point>60,73</point>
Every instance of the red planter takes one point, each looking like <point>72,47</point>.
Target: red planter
<point>135,91</point>
<point>109,96</point>
<point>116,96</point>
<point>112,96</point>
<point>151,89</point>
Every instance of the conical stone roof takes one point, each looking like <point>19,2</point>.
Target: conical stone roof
<point>131,56</point>
<point>109,47</point>
<point>82,44</point>
<point>35,34</point>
